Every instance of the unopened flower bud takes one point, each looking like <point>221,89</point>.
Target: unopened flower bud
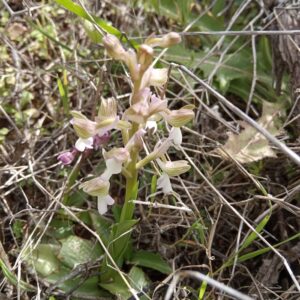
<point>155,77</point>
<point>180,117</point>
<point>96,187</point>
<point>159,150</point>
<point>68,157</point>
<point>170,39</point>
<point>145,57</point>
<point>113,47</point>
<point>130,60</point>
<point>174,168</point>
<point>165,41</point>
<point>158,77</point>
<point>136,141</point>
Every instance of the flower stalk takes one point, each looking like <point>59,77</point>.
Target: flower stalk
<point>140,118</point>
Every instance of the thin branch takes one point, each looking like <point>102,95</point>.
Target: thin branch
<point>160,205</point>
<point>204,278</point>
<point>232,33</point>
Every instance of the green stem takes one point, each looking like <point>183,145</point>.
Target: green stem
<point>131,183</point>
<point>131,187</point>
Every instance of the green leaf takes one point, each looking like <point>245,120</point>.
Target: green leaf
<point>101,225</point>
<point>253,235</point>
<point>79,11</point>
<point>14,280</point>
<point>18,228</point>
<point>138,278</point>
<point>119,238</point>
<point>92,33</point>
<point>150,260</point>
<point>84,289</point>
<point>117,287</point>
<point>153,184</point>
<point>43,259</point>
<point>76,250</point>
<point>61,228</point>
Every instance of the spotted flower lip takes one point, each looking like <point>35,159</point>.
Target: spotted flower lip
<point>96,187</point>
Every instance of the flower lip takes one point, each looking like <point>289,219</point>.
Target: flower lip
<point>103,201</point>
<point>176,136</point>
<point>82,144</point>
<point>164,183</point>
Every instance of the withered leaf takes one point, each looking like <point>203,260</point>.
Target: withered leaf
<point>250,145</point>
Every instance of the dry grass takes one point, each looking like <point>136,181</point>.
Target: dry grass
<point>219,204</point>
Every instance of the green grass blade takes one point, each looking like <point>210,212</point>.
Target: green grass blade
<point>265,250</point>
<point>63,91</point>
<point>202,290</point>
<point>150,260</point>
<point>14,280</point>
<point>253,235</point>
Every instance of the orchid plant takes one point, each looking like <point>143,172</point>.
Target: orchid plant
<point>138,121</point>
